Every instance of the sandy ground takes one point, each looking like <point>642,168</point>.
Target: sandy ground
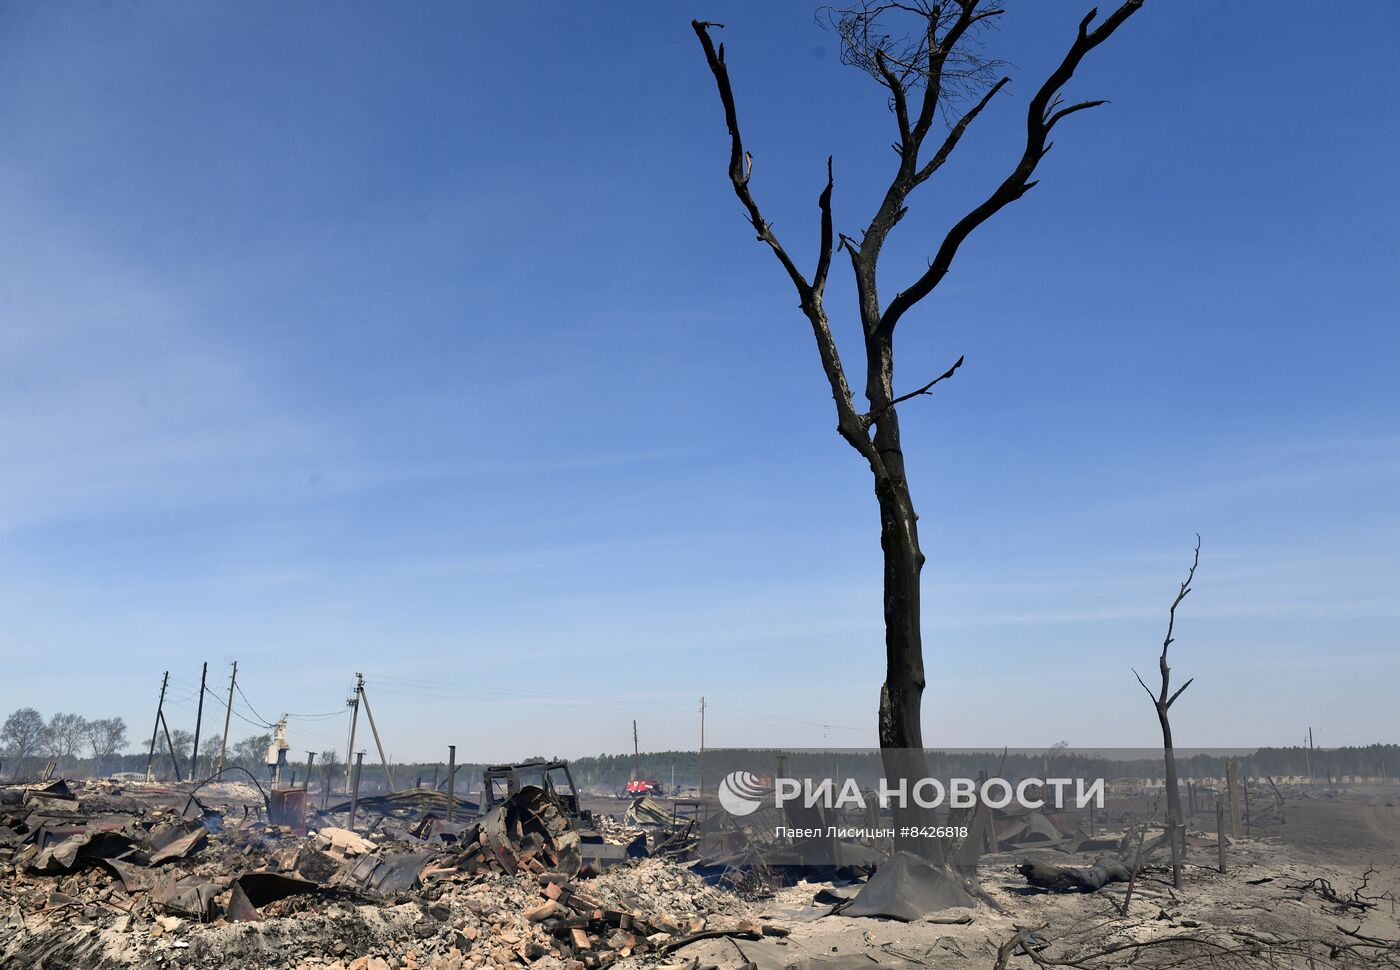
<point>1250,916</point>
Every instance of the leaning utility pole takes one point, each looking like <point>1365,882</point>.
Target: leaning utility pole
<point>636,753</point>
<point>388,772</point>
<point>198,720</point>
<point>174,761</point>
<point>228,712</point>
<point>160,705</point>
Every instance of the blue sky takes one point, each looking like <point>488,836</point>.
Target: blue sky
<point>428,341</point>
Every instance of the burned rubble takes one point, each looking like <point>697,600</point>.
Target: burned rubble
<point>98,879</point>
<point>110,876</point>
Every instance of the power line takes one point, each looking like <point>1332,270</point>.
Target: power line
<point>266,722</point>
<point>236,713</point>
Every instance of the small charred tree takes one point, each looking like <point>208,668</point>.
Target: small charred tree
<point>1162,702</point>
<point>934,73</point>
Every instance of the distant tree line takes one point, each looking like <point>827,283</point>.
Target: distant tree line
<point>26,739</point>
<point>100,747</point>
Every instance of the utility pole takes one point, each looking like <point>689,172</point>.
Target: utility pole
<point>354,704</point>
<point>310,760</point>
<point>198,720</point>
<point>451,781</point>
<point>155,729</point>
<point>388,772</point>
<point>228,712</point>
<point>636,753</point>
<point>355,788</point>
<point>1310,753</point>
<point>702,745</point>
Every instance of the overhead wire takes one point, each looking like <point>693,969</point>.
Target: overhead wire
<point>254,710</point>
<point>235,712</point>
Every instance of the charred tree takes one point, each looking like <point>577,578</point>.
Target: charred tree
<point>936,74</point>
<point>1162,702</point>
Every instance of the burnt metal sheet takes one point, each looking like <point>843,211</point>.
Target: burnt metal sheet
<point>261,888</point>
<point>239,909</point>
<point>57,790</point>
<point>408,800</point>
<point>390,874</point>
<point>134,878</point>
<point>175,840</point>
<point>197,811</point>
<point>189,896</point>
<point>72,852</point>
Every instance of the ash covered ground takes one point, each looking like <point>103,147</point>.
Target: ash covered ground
<point>110,876</point>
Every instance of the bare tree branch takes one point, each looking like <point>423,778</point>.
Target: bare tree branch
<point>897,96</point>
<point>1181,595</point>
<point>1050,123</point>
<point>939,51</point>
<point>738,170</point>
<point>956,133</point>
<point>919,58</point>
<point>849,424</point>
<point>923,390</point>
<point>1144,686</point>
<point>1019,182</point>
<point>824,256</point>
<point>1172,700</point>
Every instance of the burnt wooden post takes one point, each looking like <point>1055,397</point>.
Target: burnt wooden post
<point>1231,784</point>
<point>310,760</point>
<point>1220,831</point>
<point>1244,786</point>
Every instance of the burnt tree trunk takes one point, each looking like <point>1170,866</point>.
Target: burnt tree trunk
<point>1169,757</point>
<point>902,693</point>
<point>1162,702</point>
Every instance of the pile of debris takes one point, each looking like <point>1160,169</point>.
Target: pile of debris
<point>105,880</point>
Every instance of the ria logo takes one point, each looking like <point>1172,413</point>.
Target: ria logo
<point>741,792</point>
